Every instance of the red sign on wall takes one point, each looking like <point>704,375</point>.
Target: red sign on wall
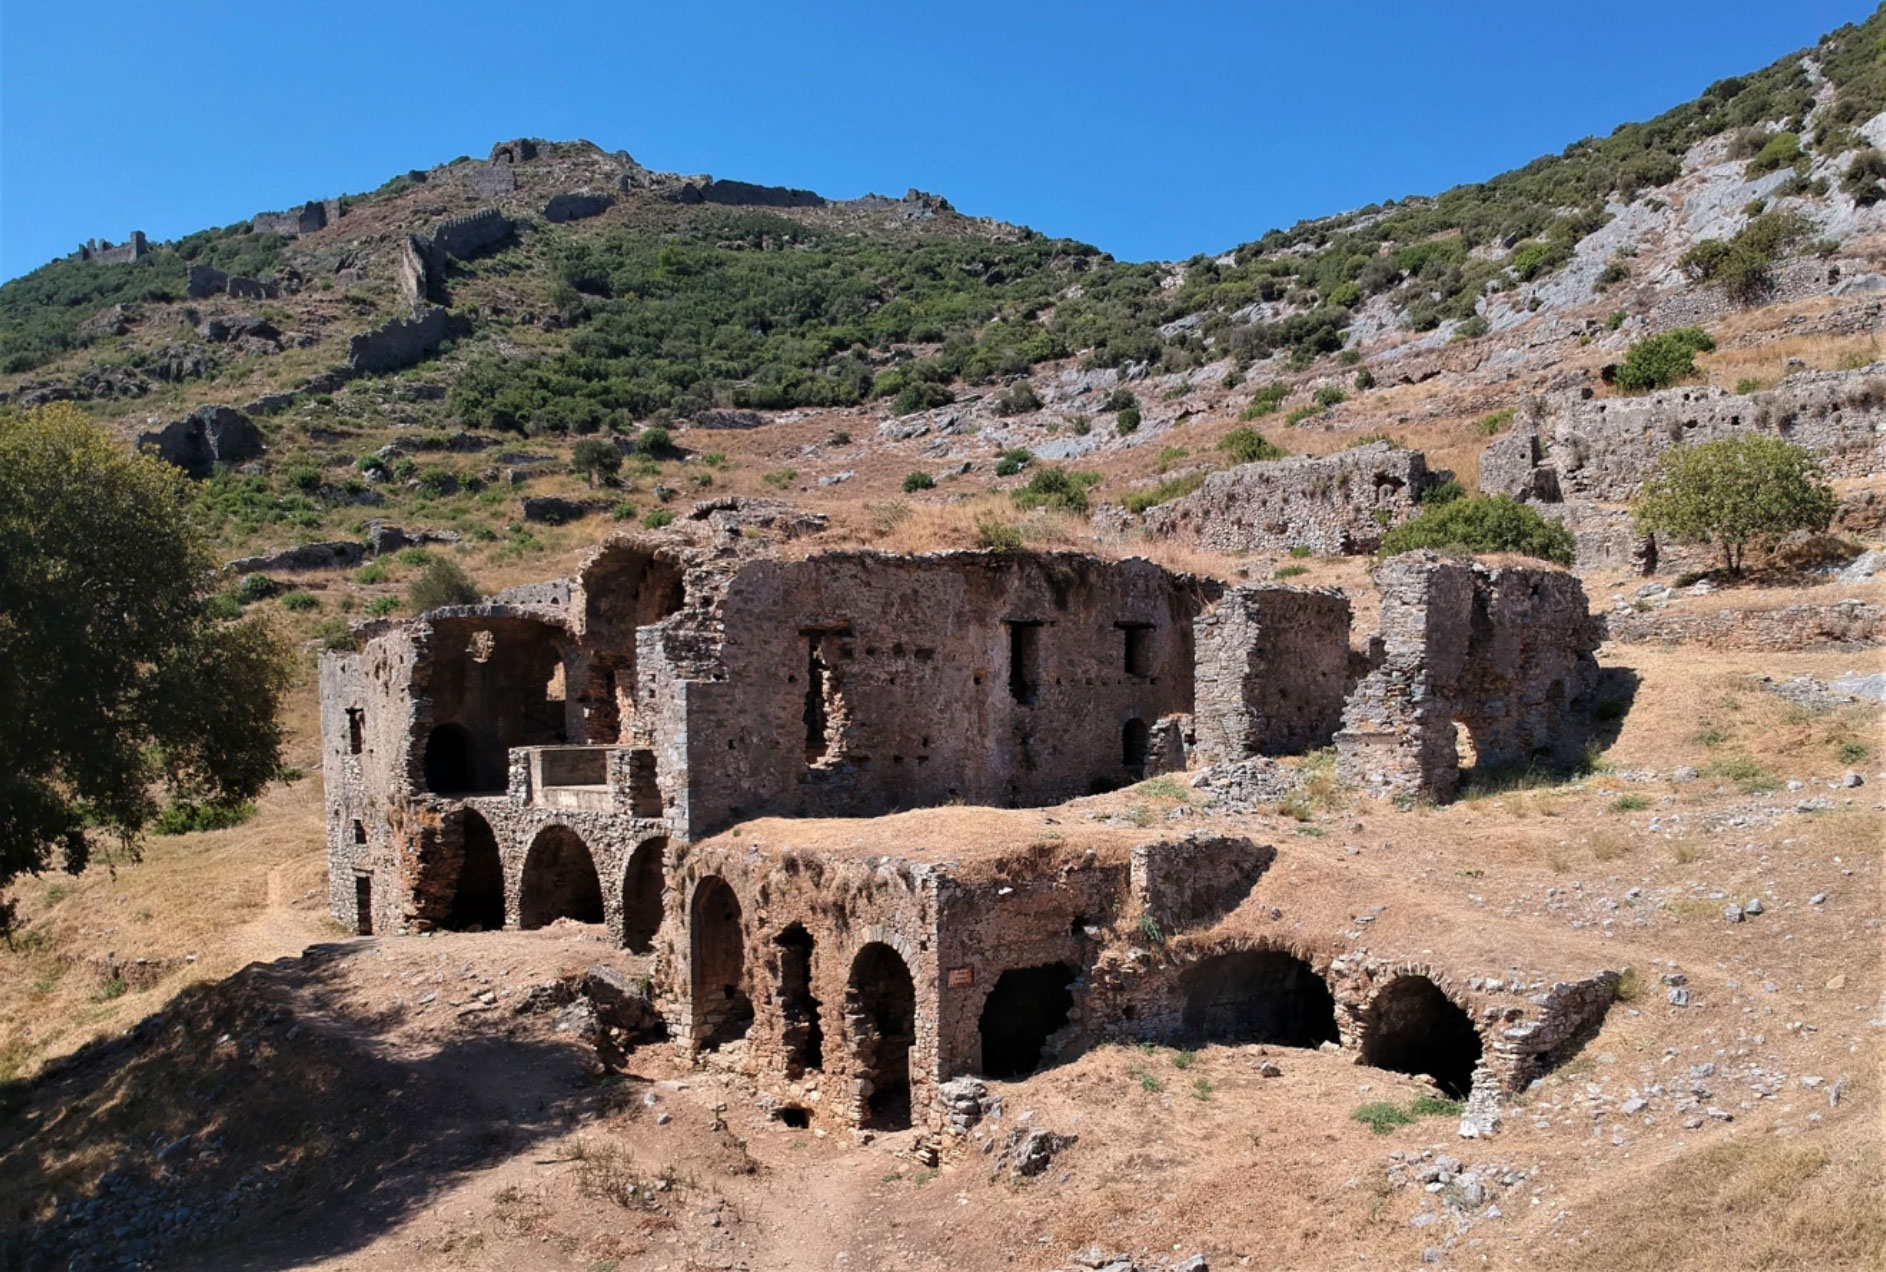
<point>962,977</point>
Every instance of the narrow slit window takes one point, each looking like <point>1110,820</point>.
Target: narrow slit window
<point>1137,639</point>
<point>1024,661</point>
<point>356,730</point>
<point>360,832</point>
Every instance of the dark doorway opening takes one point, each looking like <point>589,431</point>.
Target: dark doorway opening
<point>642,886</point>
<point>795,1116</point>
<point>478,901</point>
<point>559,881</point>
<point>363,905</point>
<point>1135,744</point>
<point>1139,648</point>
<point>1025,1007</point>
<point>717,960</point>
<point>1413,1027</point>
<point>804,1039</point>
<point>449,760</point>
<point>882,1013</point>
<point>1257,996</point>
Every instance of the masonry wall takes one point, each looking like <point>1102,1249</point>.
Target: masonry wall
<point>1272,669</point>
<point>1335,505</point>
<point>853,684</point>
<point>1503,651</point>
<point>1605,448</point>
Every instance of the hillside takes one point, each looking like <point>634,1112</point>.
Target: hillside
<point>501,361</point>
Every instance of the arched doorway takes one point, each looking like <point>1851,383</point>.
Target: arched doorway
<point>449,760</point>
<point>1257,996</point>
<point>478,901</point>
<point>717,959</point>
<point>881,1010</point>
<point>559,881</point>
<point>1414,1027</point>
<point>642,885</point>
<point>804,1037</point>
<point>1025,1007</point>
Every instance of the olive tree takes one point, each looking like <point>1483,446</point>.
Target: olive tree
<point>1752,489</point>
<point>116,680</point>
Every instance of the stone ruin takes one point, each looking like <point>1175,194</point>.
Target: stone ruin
<point>206,437</point>
<point>801,787</point>
<point>1503,654</point>
<point>316,214</point>
<point>1334,505</point>
<point>102,252</point>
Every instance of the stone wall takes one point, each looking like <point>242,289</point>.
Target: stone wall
<point>306,219</point>
<point>206,437</point>
<point>100,252</point>
<point>1272,670</point>
<point>744,194</point>
<point>576,206</point>
<point>398,343</point>
<point>1849,624</point>
<point>1604,449</point>
<point>1192,880</point>
<point>467,236</point>
<point>1504,652</point>
<point>1335,505</point>
<point>855,683</point>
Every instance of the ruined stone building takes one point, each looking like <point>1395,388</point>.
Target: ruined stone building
<point>803,787</point>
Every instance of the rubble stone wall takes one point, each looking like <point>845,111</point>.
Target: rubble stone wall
<point>1337,505</point>
<point>1847,624</point>
<point>1272,671</point>
<point>1504,651</point>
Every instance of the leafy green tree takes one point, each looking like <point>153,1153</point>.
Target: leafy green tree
<point>1734,492</point>
<point>1483,523</point>
<point>594,457</point>
<point>115,679</point>
<point>444,582</point>
<point>1663,360</point>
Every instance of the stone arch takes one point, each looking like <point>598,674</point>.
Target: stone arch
<point>622,588</point>
<point>1411,1026</point>
<point>642,883</point>
<point>478,900</point>
<point>1026,1007</point>
<point>717,965</point>
<point>559,881</point>
<point>448,760</point>
<point>881,1013</point>
<point>802,1034</point>
<point>1257,995</point>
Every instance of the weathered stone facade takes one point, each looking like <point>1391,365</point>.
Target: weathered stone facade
<point>399,342</point>
<point>1272,672</point>
<point>100,252</point>
<point>1336,505</point>
<point>1850,624</point>
<point>1502,653</point>
<point>678,745</point>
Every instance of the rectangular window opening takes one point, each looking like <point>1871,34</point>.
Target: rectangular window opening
<point>360,832</point>
<point>1138,638</point>
<point>1024,661</point>
<point>356,730</point>
<point>363,904</point>
<point>825,710</point>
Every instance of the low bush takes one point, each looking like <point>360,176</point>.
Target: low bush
<point>444,582</point>
<point>184,817</point>
<point>1056,489</point>
<point>1483,523</point>
<point>1011,461</point>
<point>1019,400</point>
<point>913,482</point>
<point>1127,421</point>
<point>1164,492</point>
<point>1663,360</point>
<point>1248,446</point>
<point>657,518</point>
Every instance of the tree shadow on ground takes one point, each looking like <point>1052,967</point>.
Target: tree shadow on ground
<point>263,1122</point>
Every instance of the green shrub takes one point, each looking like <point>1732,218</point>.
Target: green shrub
<point>997,536</point>
<point>416,557</point>
<point>1267,401</point>
<point>1749,384</point>
<point>1010,462</point>
<point>1491,425</point>
<point>593,457</point>
<point>1290,571</point>
<point>1301,414</point>
<point>371,573</point>
<point>1021,399</point>
<point>1127,421</point>
<point>1329,395</point>
<point>1615,319</point>
<point>382,606</point>
<point>1744,265</point>
<point>1365,379</point>
<point>1663,360</point>
<point>921,396</point>
<point>655,443</point>
<point>1056,489</point>
<point>1370,439</point>
<point>780,479</point>
<point>1781,150</point>
<point>256,587</point>
<point>223,607</point>
<point>336,634</point>
<point>300,602</point>
<point>913,482</point>
<point>183,817</point>
<point>1119,400</point>
<point>443,582</point>
<point>1864,179</point>
<point>1734,492</point>
<point>1443,492</point>
<point>657,518</point>
<point>1483,523</point>
<point>1248,446</point>
<point>1472,328</point>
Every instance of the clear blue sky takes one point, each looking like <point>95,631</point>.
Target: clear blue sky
<point>1153,131</point>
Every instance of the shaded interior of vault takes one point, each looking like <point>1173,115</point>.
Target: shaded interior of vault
<point>1026,1006</point>
<point>1413,1027</point>
<point>803,1038</point>
<point>559,881</point>
<point>641,897</point>
<point>883,1018</point>
<point>717,953</point>
<point>478,901</point>
<point>1257,996</point>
